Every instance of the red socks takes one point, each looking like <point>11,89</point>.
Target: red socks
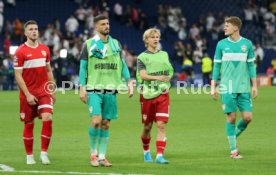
<point>28,137</point>
<point>146,143</point>
<point>160,146</point>
<point>46,133</point>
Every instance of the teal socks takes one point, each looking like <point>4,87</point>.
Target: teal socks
<point>231,135</point>
<point>241,126</point>
<point>104,137</point>
<point>94,136</point>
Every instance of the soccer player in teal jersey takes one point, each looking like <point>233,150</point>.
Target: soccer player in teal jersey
<point>101,70</point>
<point>154,72</point>
<point>234,61</point>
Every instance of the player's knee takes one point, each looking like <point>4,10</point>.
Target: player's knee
<point>105,124</point>
<point>247,118</point>
<point>231,117</point>
<point>46,116</point>
<point>147,128</point>
<point>161,126</point>
<point>96,121</point>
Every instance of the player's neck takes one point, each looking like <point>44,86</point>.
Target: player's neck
<point>31,43</point>
<point>103,37</point>
<point>152,49</point>
<point>235,36</point>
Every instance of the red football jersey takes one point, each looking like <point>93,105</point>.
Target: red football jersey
<point>33,60</point>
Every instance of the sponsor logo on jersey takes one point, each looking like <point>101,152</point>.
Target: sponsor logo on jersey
<point>243,48</point>
<point>44,53</point>
<point>22,115</point>
<point>112,66</point>
<point>29,55</point>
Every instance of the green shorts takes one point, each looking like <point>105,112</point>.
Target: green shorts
<point>230,102</point>
<point>103,104</point>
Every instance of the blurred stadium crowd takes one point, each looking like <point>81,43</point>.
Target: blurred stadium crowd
<point>190,40</point>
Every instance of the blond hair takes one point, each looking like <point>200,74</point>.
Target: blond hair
<point>149,33</point>
<point>234,20</point>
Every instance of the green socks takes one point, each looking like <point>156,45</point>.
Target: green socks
<point>231,135</point>
<point>93,135</point>
<point>240,127</point>
<point>104,136</point>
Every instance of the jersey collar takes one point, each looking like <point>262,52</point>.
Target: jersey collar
<point>149,52</point>
<point>31,46</point>
<point>229,39</point>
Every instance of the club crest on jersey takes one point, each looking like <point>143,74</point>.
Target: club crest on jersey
<point>243,48</point>
<point>44,53</point>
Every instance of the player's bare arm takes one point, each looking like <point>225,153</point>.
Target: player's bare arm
<point>145,76</point>
<point>130,87</point>
<point>83,94</point>
<point>214,93</point>
<point>21,83</point>
<point>51,80</point>
<point>254,89</point>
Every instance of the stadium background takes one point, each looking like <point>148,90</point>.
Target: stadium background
<point>196,136</point>
<point>188,29</point>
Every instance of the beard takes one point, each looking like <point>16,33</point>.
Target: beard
<point>105,32</point>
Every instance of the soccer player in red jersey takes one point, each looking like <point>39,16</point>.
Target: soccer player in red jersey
<point>35,79</point>
<point>154,73</point>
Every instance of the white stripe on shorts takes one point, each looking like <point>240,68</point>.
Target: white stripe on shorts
<point>45,106</point>
<point>162,114</point>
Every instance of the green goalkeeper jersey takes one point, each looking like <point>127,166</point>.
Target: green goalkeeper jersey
<point>234,60</point>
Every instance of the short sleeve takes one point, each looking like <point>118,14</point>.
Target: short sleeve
<point>140,65</point>
<point>251,55</point>
<point>218,54</point>
<point>18,60</point>
<point>48,57</point>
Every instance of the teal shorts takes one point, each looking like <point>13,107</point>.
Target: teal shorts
<point>103,104</point>
<point>230,102</point>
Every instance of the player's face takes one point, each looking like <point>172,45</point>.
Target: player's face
<point>229,28</point>
<point>102,27</point>
<point>31,32</point>
<point>153,40</point>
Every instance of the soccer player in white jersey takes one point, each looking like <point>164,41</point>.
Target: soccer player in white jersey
<point>234,62</point>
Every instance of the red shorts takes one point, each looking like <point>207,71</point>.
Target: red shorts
<point>28,112</point>
<point>156,109</point>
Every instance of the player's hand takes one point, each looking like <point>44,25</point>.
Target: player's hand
<point>163,78</point>
<point>254,92</point>
<point>31,99</point>
<point>53,95</point>
<point>131,85</point>
<point>83,95</point>
<point>214,93</point>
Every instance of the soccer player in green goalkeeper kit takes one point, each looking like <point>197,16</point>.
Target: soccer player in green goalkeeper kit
<point>234,61</point>
<point>101,71</point>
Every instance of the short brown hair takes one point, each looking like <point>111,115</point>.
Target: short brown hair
<point>99,18</point>
<point>234,20</point>
<point>29,23</point>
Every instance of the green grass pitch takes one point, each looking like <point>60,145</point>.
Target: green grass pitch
<point>196,145</point>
